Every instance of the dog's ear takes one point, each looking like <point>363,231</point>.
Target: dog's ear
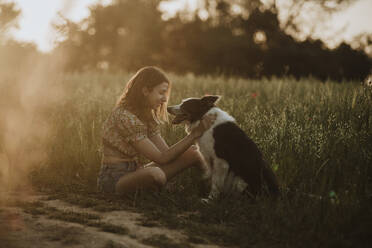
<point>211,99</point>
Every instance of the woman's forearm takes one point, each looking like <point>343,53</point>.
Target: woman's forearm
<point>180,147</point>
<point>177,149</point>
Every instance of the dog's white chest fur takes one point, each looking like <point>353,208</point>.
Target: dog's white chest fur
<point>223,180</point>
<point>206,141</point>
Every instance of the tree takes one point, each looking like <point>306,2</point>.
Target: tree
<point>123,35</point>
<point>9,15</point>
<point>14,55</point>
<point>238,37</point>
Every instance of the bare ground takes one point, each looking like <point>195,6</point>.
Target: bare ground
<point>22,228</point>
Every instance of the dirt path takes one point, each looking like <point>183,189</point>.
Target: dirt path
<point>28,228</point>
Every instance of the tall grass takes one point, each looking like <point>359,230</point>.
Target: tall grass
<point>316,136</point>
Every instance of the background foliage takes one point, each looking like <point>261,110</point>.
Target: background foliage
<point>252,43</point>
<point>244,38</point>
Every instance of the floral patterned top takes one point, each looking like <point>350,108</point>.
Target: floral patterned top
<point>121,129</point>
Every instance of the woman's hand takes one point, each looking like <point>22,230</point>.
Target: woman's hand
<point>205,123</point>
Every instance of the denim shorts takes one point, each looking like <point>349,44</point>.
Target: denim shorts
<point>110,174</point>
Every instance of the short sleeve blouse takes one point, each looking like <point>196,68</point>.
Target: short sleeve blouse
<point>121,129</point>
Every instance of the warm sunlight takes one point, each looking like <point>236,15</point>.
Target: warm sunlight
<point>185,123</point>
<point>37,16</point>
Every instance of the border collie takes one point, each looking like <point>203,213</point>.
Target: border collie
<point>235,164</point>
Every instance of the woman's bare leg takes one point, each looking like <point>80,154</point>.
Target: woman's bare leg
<point>155,176</point>
<point>190,158</point>
<point>150,177</point>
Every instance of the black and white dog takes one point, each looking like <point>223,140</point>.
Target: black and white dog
<point>235,163</point>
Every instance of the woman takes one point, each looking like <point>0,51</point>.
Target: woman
<point>132,131</point>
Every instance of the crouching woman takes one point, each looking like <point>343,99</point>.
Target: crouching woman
<point>132,131</point>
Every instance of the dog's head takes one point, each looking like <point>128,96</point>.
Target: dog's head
<point>192,109</point>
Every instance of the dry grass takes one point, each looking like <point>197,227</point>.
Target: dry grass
<point>316,136</point>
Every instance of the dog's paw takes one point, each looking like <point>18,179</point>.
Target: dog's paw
<point>206,201</point>
<point>211,197</point>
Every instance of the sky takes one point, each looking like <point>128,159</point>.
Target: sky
<point>38,15</point>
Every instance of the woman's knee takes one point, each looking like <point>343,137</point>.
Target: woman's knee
<point>157,176</point>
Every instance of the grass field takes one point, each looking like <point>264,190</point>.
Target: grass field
<point>317,137</point>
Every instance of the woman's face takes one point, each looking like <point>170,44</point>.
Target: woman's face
<point>157,96</point>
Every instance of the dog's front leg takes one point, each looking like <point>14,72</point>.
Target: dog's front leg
<point>219,173</point>
<point>206,165</point>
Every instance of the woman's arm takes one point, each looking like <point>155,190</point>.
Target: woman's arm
<point>159,142</point>
<point>147,148</point>
<point>150,151</point>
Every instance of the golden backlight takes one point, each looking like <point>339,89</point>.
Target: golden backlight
<point>38,15</point>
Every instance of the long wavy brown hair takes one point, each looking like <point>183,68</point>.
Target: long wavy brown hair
<point>133,99</point>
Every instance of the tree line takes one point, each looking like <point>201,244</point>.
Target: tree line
<point>251,42</point>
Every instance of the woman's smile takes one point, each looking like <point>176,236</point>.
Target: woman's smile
<point>158,95</point>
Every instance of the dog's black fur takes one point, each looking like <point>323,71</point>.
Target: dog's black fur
<point>231,144</point>
<point>244,157</point>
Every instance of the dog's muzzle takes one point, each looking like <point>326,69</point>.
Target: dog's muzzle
<point>177,112</point>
